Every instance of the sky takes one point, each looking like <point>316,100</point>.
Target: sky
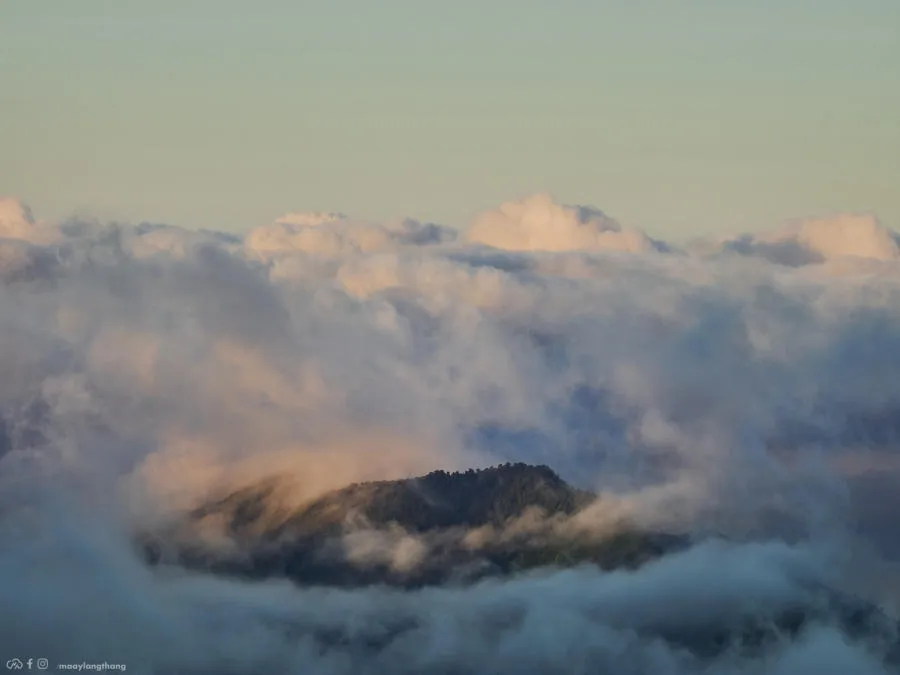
<point>681,119</point>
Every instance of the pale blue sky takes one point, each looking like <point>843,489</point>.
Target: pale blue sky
<point>681,117</point>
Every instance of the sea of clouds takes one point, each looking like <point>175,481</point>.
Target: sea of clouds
<point>727,386</point>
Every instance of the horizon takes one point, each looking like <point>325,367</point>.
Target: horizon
<point>330,217</point>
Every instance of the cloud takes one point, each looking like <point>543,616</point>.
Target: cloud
<point>652,621</point>
<point>822,240</point>
<point>538,223</point>
<point>334,234</point>
<point>17,222</point>
<point>20,261</point>
<point>14,214</point>
<point>144,367</point>
<point>310,219</point>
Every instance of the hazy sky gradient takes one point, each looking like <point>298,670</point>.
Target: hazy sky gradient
<point>680,118</point>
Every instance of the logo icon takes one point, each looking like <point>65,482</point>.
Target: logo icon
<point>43,664</point>
<point>30,663</point>
<point>15,664</point>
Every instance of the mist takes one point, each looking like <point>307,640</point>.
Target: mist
<point>744,391</point>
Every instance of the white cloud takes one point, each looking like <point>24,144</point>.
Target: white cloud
<point>334,235</point>
<point>144,366</point>
<point>849,236</point>
<point>14,214</point>
<point>538,223</point>
<point>17,222</point>
<point>310,219</point>
<point>822,240</point>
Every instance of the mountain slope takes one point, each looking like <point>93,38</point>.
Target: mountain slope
<point>447,529</point>
<point>434,529</point>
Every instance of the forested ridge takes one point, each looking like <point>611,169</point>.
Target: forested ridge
<point>438,510</point>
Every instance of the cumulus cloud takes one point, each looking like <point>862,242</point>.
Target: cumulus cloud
<point>847,236</point>
<point>538,223</point>
<point>656,620</point>
<point>14,215</point>
<point>17,222</point>
<point>144,368</point>
<point>334,235</point>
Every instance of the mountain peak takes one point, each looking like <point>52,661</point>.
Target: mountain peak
<point>425,530</point>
